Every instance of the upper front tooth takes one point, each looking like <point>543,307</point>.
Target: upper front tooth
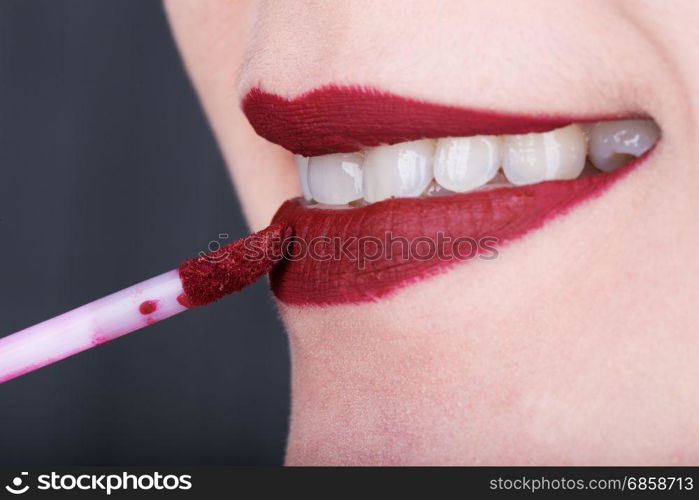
<point>403,169</point>
<point>558,154</point>
<point>465,163</point>
<point>335,179</point>
<point>614,143</point>
<point>302,167</point>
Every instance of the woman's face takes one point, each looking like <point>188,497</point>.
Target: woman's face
<point>578,342</point>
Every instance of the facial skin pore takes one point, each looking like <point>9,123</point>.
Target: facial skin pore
<point>579,344</point>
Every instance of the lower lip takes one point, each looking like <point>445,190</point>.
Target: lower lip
<point>342,256</point>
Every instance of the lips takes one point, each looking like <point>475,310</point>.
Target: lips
<point>363,253</point>
<point>336,119</point>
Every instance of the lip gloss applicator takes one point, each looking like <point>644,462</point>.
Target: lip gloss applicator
<point>196,282</point>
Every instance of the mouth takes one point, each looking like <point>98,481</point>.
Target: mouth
<point>396,190</point>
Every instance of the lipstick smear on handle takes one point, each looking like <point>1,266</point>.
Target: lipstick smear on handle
<point>197,282</point>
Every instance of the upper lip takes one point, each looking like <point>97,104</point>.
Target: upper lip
<point>336,119</point>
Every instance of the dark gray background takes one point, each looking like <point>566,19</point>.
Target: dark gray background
<point>110,175</point>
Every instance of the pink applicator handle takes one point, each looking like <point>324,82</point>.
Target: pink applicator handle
<point>195,282</point>
<point>92,324</point>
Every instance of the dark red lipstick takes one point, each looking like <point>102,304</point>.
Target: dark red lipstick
<point>335,119</point>
<point>357,254</point>
<point>473,225</point>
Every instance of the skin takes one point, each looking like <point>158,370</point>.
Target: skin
<point>579,344</point>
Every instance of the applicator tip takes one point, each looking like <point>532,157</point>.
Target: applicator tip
<point>209,277</point>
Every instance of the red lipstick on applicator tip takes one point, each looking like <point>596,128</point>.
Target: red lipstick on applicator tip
<point>196,282</point>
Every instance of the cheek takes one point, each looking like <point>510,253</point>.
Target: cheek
<point>211,36</point>
<point>264,174</point>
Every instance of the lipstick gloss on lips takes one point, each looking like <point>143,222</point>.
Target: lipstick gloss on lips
<point>335,119</point>
<point>346,119</point>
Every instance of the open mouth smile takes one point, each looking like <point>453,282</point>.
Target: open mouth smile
<point>402,187</point>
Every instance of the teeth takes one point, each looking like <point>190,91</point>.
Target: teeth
<point>480,162</point>
<point>465,163</point>
<point>530,158</point>
<point>302,167</point>
<point>335,179</point>
<point>435,189</point>
<point>614,143</point>
<point>403,169</point>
